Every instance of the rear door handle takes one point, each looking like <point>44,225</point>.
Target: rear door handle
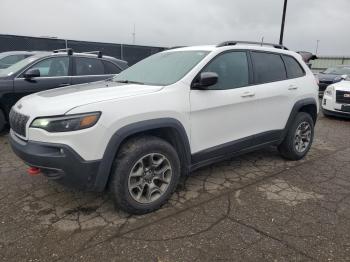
<point>248,94</point>
<point>62,85</point>
<point>292,87</point>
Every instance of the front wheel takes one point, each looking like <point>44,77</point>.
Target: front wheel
<point>299,138</point>
<point>145,174</point>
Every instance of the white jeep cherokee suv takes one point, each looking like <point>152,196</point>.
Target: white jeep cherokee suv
<point>166,116</point>
<point>336,99</point>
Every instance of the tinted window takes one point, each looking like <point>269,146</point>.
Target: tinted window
<point>57,66</point>
<point>88,66</point>
<point>268,67</point>
<point>294,69</point>
<point>232,69</point>
<point>111,68</point>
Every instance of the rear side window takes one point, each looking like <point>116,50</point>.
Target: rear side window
<point>88,66</point>
<point>294,69</point>
<point>232,69</point>
<point>268,67</point>
<point>111,68</point>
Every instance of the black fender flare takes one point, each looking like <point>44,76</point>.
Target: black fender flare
<point>119,136</point>
<point>295,110</point>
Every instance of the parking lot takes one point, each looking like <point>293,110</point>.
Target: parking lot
<point>253,208</point>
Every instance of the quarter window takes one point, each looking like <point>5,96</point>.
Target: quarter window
<point>268,67</point>
<point>294,69</point>
<point>57,66</point>
<point>111,68</point>
<point>88,66</point>
<point>232,69</point>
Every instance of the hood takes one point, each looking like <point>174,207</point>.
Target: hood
<point>328,77</point>
<point>343,85</point>
<point>59,101</point>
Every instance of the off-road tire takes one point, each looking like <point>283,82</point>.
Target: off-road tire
<point>287,148</point>
<point>130,152</point>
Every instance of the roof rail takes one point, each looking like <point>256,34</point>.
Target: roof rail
<point>98,53</point>
<point>228,43</point>
<point>68,50</point>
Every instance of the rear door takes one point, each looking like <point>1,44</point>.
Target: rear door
<point>54,73</point>
<point>273,99</point>
<point>89,69</point>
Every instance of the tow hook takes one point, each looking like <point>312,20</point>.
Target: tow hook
<point>33,171</point>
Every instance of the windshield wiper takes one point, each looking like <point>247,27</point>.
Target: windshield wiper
<point>129,82</point>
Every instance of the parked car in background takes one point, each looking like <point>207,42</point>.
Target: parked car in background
<point>12,57</point>
<point>332,75</point>
<point>169,114</point>
<point>48,70</point>
<point>336,99</point>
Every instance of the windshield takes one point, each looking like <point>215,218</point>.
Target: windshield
<point>164,68</point>
<point>17,66</point>
<point>338,71</point>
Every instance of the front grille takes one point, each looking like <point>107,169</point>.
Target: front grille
<point>326,82</point>
<point>18,122</point>
<point>343,97</point>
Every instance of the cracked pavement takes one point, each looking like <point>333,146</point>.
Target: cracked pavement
<point>257,207</point>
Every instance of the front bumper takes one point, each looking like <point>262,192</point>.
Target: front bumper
<point>58,162</point>
<point>336,113</point>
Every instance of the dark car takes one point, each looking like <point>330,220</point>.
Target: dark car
<point>332,75</point>
<point>12,57</point>
<point>47,70</point>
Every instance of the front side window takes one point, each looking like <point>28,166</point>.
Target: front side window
<point>232,69</point>
<point>163,68</point>
<point>268,67</point>
<point>88,66</point>
<point>51,67</point>
<point>294,69</point>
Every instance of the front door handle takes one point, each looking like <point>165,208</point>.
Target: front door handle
<point>63,85</point>
<point>292,87</point>
<point>248,94</point>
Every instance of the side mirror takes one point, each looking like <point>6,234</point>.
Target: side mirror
<point>206,79</point>
<point>343,77</point>
<point>31,73</point>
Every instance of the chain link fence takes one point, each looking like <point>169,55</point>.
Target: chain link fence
<point>130,53</point>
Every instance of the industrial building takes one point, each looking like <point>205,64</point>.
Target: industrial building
<point>324,62</point>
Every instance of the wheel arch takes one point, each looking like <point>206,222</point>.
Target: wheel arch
<point>307,105</point>
<point>168,129</point>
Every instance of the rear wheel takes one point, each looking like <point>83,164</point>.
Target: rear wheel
<point>146,172</point>
<point>299,138</point>
<point>2,120</point>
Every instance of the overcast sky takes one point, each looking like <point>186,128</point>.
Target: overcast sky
<point>183,22</point>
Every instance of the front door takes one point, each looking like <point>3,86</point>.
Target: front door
<point>54,73</point>
<point>224,112</point>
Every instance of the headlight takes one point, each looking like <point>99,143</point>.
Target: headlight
<point>329,91</point>
<point>66,123</point>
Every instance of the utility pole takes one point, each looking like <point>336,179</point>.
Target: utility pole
<point>283,20</point>
<point>134,35</point>
<point>317,42</point>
